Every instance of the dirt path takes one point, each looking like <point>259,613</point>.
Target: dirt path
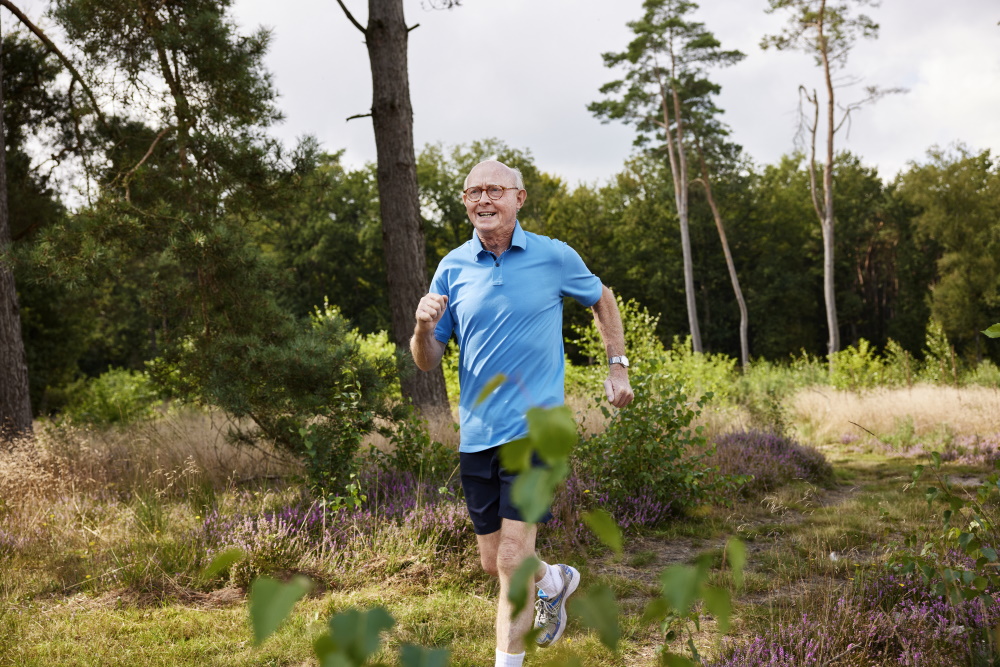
<point>760,529</point>
<point>764,527</point>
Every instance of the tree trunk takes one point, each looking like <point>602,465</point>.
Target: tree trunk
<point>15,400</point>
<point>399,203</point>
<point>829,288</point>
<point>678,171</point>
<point>682,214</point>
<point>730,264</point>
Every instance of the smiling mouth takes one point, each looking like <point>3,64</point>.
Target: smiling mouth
<point>486,214</point>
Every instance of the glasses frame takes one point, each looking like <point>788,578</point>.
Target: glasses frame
<point>485,190</point>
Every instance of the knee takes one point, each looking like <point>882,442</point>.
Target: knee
<point>509,558</point>
<point>490,565</point>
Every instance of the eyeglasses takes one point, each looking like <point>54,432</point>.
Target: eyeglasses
<point>475,193</point>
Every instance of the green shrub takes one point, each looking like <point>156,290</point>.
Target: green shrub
<point>641,343</point>
<point>449,366</point>
<point>412,450</point>
<point>986,374</point>
<point>767,412</point>
<point>375,347</point>
<point>855,368</point>
<point>766,378</point>
<point>380,350</point>
<point>807,370</point>
<point>305,387</point>
<point>941,364</point>
<point>649,448</point>
<point>118,396</point>
<point>700,373</point>
<point>765,385</point>
<point>900,366</point>
<point>581,380</point>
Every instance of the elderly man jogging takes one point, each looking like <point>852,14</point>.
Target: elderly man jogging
<point>501,295</point>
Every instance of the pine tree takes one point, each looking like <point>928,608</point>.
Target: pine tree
<point>665,76</point>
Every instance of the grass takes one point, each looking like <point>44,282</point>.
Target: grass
<point>900,416</point>
<point>102,541</point>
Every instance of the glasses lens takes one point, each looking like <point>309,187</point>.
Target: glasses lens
<point>495,191</point>
<point>474,194</point>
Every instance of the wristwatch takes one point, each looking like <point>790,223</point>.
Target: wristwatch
<point>623,360</point>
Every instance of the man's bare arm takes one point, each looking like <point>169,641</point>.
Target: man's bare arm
<point>425,348</point>
<point>609,325</point>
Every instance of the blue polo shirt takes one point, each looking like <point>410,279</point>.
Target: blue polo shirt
<point>506,313</point>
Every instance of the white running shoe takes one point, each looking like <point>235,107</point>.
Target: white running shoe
<point>550,610</point>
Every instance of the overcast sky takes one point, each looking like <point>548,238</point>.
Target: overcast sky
<point>524,71</point>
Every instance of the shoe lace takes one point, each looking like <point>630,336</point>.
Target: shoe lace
<point>545,612</point>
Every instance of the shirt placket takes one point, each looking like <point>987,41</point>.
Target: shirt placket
<point>497,269</point>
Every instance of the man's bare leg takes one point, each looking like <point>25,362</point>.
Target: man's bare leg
<point>502,552</point>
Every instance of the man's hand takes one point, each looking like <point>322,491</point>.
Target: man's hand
<point>430,310</point>
<point>617,386</point>
<point>427,350</point>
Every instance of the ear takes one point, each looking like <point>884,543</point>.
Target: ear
<point>521,196</point>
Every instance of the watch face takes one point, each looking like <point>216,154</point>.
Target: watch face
<point>623,360</point>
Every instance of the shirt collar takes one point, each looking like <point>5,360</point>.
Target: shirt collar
<point>518,240</point>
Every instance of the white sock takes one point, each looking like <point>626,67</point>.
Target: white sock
<point>552,582</point>
<point>509,660</point>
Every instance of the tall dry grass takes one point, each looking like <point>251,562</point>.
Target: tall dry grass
<point>146,455</point>
<point>441,429</point>
<point>824,414</point>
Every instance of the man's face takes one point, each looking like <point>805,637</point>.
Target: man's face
<point>493,216</point>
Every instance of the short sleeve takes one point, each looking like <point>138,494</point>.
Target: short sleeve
<point>577,280</point>
<point>439,285</point>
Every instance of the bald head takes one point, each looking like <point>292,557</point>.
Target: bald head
<point>494,172</point>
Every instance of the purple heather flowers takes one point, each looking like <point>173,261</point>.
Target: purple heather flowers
<point>885,618</point>
<point>772,460</point>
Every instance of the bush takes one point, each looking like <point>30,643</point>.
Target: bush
<point>376,348</point>
<point>118,396</point>
<point>770,459</point>
<point>900,367</point>
<point>986,374</point>
<point>413,451</point>
<point>649,449</point>
<point>855,368</point>
<point>778,379</point>
<point>699,373</point>
<point>449,366</point>
<point>941,365</point>
<point>273,542</point>
<point>305,387</point>
<point>641,343</point>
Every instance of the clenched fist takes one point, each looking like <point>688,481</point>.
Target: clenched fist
<point>617,387</point>
<point>430,309</point>
<point>427,350</point>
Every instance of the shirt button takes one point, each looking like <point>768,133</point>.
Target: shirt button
<point>497,264</point>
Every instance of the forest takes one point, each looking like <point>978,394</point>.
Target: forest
<point>171,275</point>
<point>920,247</point>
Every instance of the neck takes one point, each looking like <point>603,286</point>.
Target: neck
<point>498,242</point>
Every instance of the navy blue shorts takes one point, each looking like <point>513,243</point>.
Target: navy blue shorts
<point>487,486</point>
